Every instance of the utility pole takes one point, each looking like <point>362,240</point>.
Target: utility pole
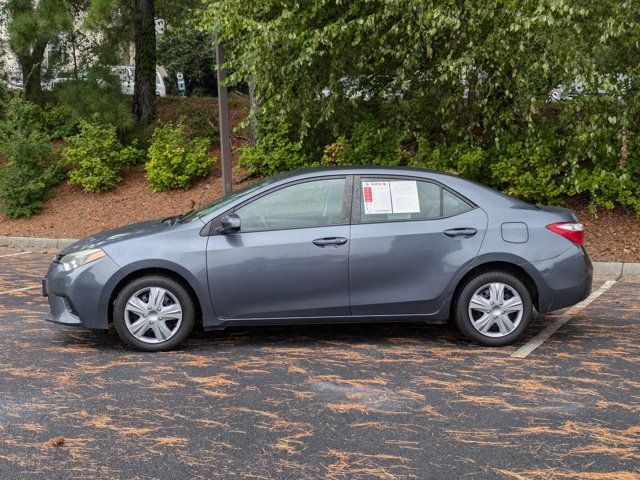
<point>223,111</point>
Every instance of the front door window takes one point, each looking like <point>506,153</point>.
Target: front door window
<point>317,203</point>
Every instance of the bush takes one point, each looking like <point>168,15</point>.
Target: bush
<point>459,159</point>
<point>95,101</point>
<point>274,153</point>
<point>370,144</point>
<point>33,168</point>
<point>97,156</point>
<point>528,171</point>
<point>58,121</point>
<point>18,115</point>
<point>175,159</point>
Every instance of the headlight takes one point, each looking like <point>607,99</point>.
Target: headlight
<point>77,259</point>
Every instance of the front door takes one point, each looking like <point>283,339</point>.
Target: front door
<point>409,239</point>
<point>291,256</point>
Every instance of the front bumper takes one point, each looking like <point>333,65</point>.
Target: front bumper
<point>79,297</point>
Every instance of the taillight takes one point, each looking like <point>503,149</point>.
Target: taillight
<point>573,231</point>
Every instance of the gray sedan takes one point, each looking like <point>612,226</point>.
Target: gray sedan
<point>328,246</point>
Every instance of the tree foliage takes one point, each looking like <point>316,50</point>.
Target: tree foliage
<point>191,52</point>
<point>445,73</point>
<point>32,27</point>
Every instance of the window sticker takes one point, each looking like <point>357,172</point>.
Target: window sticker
<point>404,197</point>
<point>377,198</point>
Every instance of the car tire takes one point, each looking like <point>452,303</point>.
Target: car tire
<point>485,323</point>
<point>161,333</point>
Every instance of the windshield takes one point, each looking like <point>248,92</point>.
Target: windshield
<point>222,201</point>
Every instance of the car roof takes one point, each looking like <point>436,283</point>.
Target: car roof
<point>474,191</point>
<point>359,170</point>
<point>355,170</point>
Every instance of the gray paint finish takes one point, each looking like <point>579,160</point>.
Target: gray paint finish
<point>386,271</point>
<point>405,267</point>
<point>278,274</point>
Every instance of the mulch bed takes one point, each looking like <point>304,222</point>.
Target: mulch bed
<point>610,235</point>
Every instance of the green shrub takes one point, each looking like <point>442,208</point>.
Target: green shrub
<point>175,159</point>
<point>528,171</point>
<point>460,159</point>
<point>95,101</point>
<point>97,156</point>
<point>33,168</point>
<point>18,115</point>
<point>369,144</point>
<point>274,153</point>
<point>58,121</point>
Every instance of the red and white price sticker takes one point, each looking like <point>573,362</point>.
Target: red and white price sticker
<point>377,197</point>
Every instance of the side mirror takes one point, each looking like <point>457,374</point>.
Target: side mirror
<point>229,224</point>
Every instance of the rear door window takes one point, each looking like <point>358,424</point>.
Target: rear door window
<point>452,204</point>
<point>390,199</point>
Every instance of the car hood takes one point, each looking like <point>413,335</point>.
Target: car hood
<point>101,239</point>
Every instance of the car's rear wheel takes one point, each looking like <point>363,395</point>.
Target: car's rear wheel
<point>154,313</point>
<point>493,308</point>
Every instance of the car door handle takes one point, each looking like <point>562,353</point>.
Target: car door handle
<point>336,241</point>
<point>460,232</point>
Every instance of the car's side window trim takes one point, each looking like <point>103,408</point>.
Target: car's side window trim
<point>356,209</point>
<point>345,218</point>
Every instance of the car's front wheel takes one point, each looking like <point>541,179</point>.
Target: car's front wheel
<point>493,308</point>
<point>153,313</point>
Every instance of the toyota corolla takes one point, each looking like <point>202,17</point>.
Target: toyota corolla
<point>328,246</point>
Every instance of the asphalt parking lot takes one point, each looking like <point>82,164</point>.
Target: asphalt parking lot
<point>341,402</point>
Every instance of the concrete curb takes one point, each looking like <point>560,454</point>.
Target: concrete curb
<point>31,242</point>
<point>618,269</point>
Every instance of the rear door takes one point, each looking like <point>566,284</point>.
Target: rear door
<point>409,238</point>
<point>290,258</point>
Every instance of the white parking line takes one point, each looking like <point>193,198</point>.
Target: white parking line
<point>20,290</point>
<point>549,330</point>
<point>14,254</point>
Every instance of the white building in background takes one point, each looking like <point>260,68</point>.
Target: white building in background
<point>8,62</point>
<point>9,65</point>
<point>11,73</point>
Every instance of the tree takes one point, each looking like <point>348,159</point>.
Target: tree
<point>137,18</point>
<point>455,70</point>
<point>122,21</point>
<point>184,49</point>
<point>144,95</point>
<point>32,27</point>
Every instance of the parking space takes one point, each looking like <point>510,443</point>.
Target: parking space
<point>339,402</point>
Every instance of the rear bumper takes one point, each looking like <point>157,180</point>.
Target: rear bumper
<point>76,298</point>
<point>562,281</point>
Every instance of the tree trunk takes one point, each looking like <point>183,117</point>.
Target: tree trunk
<point>254,105</point>
<point>31,66</point>
<point>32,79</point>
<point>144,94</point>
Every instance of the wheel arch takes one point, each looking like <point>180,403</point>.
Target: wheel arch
<point>497,265</point>
<point>146,271</point>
